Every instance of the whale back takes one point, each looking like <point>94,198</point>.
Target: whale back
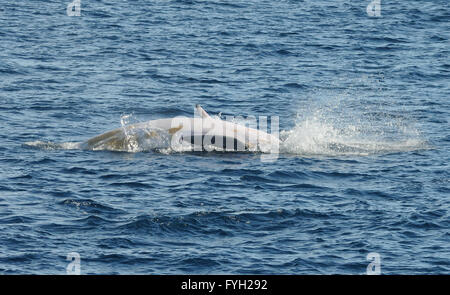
<point>204,133</point>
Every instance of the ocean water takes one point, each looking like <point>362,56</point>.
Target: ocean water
<point>363,107</point>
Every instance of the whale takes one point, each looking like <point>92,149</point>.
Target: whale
<point>199,133</point>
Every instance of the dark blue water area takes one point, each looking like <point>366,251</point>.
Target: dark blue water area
<point>363,105</point>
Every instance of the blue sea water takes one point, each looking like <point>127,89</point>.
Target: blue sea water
<point>364,109</point>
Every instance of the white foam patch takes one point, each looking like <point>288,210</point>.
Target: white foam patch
<point>317,136</point>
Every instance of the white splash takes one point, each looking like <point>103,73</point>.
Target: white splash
<point>344,126</point>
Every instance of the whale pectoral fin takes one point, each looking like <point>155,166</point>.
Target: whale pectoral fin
<point>175,129</point>
<point>201,111</point>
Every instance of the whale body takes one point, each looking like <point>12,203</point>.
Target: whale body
<point>203,133</point>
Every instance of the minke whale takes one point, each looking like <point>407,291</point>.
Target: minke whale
<point>202,133</point>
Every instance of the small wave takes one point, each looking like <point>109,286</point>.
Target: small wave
<point>133,184</point>
<point>88,205</point>
<point>221,223</point>
<point>193,264</point>
<point>16,219</point>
